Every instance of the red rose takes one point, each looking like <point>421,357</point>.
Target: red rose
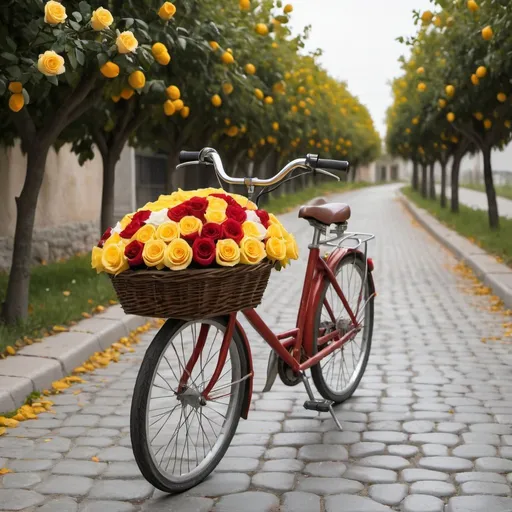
<point>264,218</point>
<point>232,229</point>
<point>131,229</point>
<point>197,207</point>
<point>236,212</point>
<point>203,251</point>
<point>104,237</point>
<point>141,216</point>
<point>226,198</point>
<point>212,230</point>
<point>133,253</point>
<point>178,212</point>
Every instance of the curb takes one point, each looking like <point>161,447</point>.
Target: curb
<point>35,367</point>
<point>496,276</point>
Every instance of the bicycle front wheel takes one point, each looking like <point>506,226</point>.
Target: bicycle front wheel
<point>178,436</point>
<point>337,376</point>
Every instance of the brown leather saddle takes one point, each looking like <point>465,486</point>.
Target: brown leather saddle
<point>327,213</point>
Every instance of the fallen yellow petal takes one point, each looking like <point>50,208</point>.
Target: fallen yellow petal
<point>59,328</point>
<point>11,350</point>
<point>2,431</point>
<point>73,378</point>
<point>86,315</point>
<point>4,471</point>
<point>66,293</point>
<point>80,369</point>
<point>19,417</point>
<point>95,459</point>
<point>59,385</point>
<point>8,422</point>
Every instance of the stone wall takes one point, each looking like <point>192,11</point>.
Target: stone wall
<point>54,243</point>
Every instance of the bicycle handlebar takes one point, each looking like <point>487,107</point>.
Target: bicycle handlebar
<point>312,162</point>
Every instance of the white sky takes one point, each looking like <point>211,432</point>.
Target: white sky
<point>358,41</point>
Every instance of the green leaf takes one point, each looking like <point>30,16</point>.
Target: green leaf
<point>80,56</point>
<point>183,43</point>
<point>76,26</point>
<point>282,19</point>
<point>77,16</point>
<point>52,79</point>
<point>3,86</point>
<point>129,22</point>
<point>85,9</point>
<point>9,56</point>
<point>102,58</point>
<point>72,58</point>
<point>26,96</point>
<point>142,24</point>
<point>11,43</point>
<point>14,72</point>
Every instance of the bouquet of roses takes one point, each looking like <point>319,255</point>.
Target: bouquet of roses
<point>203,228</point>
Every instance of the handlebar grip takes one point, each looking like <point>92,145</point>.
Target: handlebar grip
<point>189,156</point>
<point>335,165</point>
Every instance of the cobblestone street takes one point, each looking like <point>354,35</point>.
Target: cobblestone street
<point>428,430</point>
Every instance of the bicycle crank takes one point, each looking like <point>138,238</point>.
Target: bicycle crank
<point>288,375</point>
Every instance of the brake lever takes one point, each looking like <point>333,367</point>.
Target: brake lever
<point>195,162</point>
<point>327,173</point>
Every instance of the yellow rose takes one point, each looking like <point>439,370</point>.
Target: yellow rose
<point>227,253</point>
<point>292,249</point>
<point>190,225</point>
<point>54,13</point>
<point>125,221</point>
<point>153,254</point>
<point>274,220</point>
<point>251,206</point>
<point>217,216</point>
<point>101,19</point>
<point>241,200</point>
<point>275,230</point>
<point>145,233</point>
<point>112,239</point>
<point>254,230</point>
<point>167,11</point>
<point>217,203</point>
<point>50,63</point>
<point>252,251</point>
<point>137,80</point>
<point>168,231</point>
<point>276,248</point>
<point>178,254</point>
<point>113,258</point>
<point>96,260</point>
<point>126,42</point>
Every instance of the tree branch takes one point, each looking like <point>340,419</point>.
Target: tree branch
<point>101,141</point>
<point>25,126</point>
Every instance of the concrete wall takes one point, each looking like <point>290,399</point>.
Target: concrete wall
<point>68,208</point>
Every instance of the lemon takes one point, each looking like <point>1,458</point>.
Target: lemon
<point>216,100</point>
<point>245,5</point>
<point>250,69</point>
<point>227,88</point>
<point>508,124</point>
<point>261,29</point>
<point>442,102</point>
<point>487,33</point>
<point>450,90</point>
<point>178,105</point>
<point>227,58</point>
<point>502,97</point>
<point>275,126</point>
<point>259,94</point>
<point>420,71</point>
<point>450,117</point>
<point>487,124</point>
<point>422,87</point>
<point>474,79</point>
<point>269,100</point>
<point>481,72</point>
<point>479,116</point>
<point>288,8</point>
<point>473,6</point>
<point>214,45</point>
<point>173,93</point>
<point>426,17</point>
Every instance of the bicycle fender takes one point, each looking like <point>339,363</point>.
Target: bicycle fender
<point>333,260</point>
<point>248,382</point>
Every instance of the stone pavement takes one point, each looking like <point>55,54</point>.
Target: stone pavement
<point>428,430</point>
<point>478,200</point>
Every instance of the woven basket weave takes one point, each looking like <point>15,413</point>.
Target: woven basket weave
<point>191,294</point>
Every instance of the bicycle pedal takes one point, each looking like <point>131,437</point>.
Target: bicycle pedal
<point>318,405</point>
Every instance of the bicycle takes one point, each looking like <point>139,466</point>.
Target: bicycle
<point>196,379</point>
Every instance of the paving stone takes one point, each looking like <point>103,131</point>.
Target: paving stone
<point>20,480</point>
<point>418,427</point>
<point>219,484</point>
<point>350,503</point>
<point>262,427</point>
<point>117,454</point>
<point>299,439</point>
<point>82,420</point>
<point>284,452</point>
<point>337,437</point>
<point>99,442</point>
<point>506,452</point>
<point>434,450</point>
<point>479,503</point>
<point>64,484</point>
<point>274,481</point>
<point>122,470</point>
<point>71,431</point>
<point>485,488</point>
<point>480,438</point>
<point>28,466</point>
<point>388,494</point>
<point>370,475</point>
<point>79,467</point>
<point>417,474</point>
<point>326,469</point>
<point>385,461</point>
<point>283,465</point>
<point>61,504</point>
<point>179,503</point>
<point>104,506</point>
<point>300,502</point>
<point>367,449</point>
<point>422,503</point>
<point>494,464</point>
<point>473,451</point>
<point>248,502</point>
<point>403,450</point>
<point>385,437</point>
<point>322,452</point>
<point>435,438</point>
<point>325,486</point>
<point>433,487</point>
<point>491,428</point>
<point>19,499</point>
<point>477,476</point>
<point>55,444</point>
<point>121,490</point>
<point>450,464</point>
<point>102,432</point>
<point>83,452</point>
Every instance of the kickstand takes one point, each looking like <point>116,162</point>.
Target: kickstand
<point>314,404</point>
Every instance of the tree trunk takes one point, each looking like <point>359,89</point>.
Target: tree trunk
<point>443,183</point>
<point>424,180</point>
<point>415,180</point>
<point>494,219</point>
<point>108,191</point>
<point>432,190</point>
<point>457,158</point>
<point>15,306</point>
<point>354,174</point>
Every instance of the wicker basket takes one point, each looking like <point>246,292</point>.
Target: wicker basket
<point>191,294</point>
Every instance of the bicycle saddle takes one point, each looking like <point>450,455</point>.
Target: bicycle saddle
<point>328,213</point>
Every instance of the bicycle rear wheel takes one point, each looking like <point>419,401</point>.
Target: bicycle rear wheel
<point>178,437</point>
<point>337,376</point>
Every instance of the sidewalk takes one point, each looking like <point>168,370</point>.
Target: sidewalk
<point>478,200</point>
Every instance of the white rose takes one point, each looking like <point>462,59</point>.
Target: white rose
<point>117,228</point>
<point>158,218</point>
<point>252,216</point>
